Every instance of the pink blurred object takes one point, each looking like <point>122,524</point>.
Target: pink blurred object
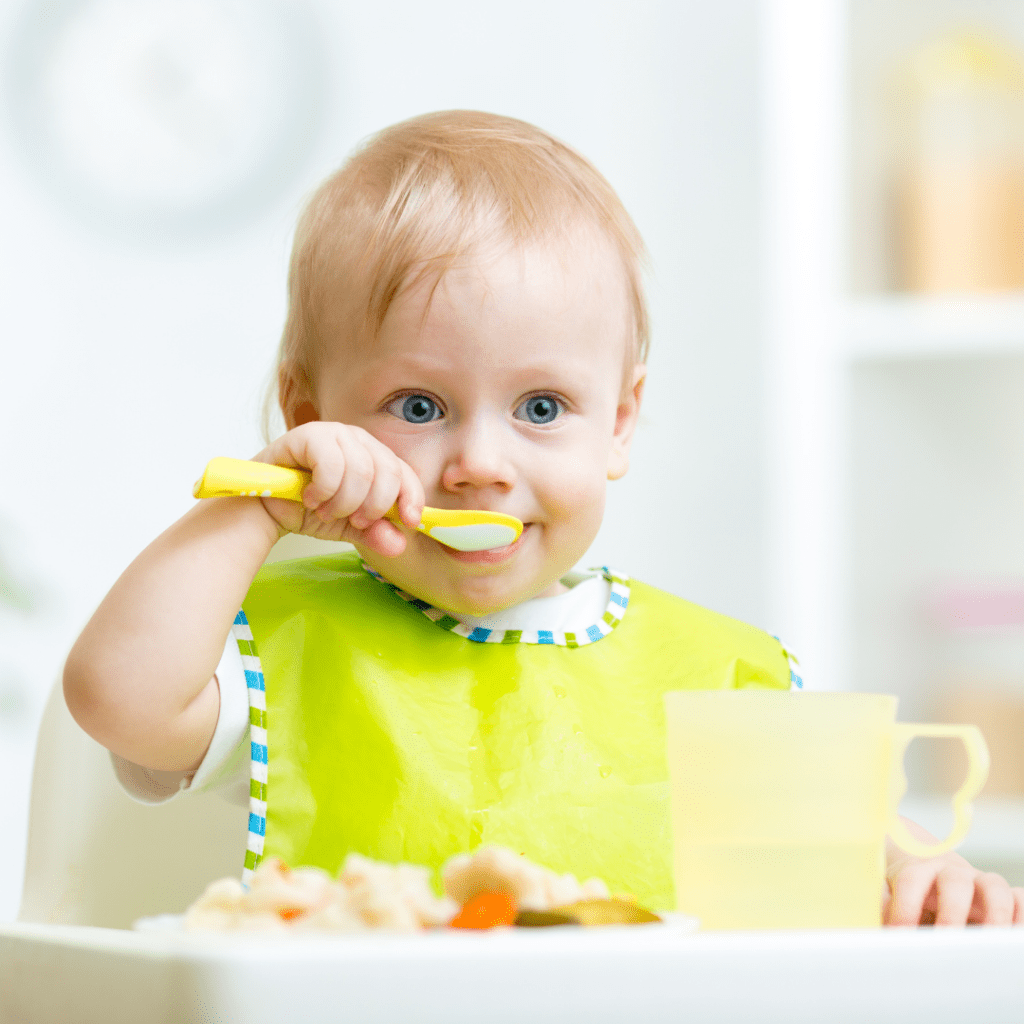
<point>979,607</point>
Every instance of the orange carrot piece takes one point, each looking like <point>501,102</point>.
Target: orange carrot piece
<point>290,913</point>
<point>486,910</point>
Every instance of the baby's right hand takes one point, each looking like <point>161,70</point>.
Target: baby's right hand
<point>356,479</point>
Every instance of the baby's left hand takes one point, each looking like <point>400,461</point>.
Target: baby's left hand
<point>946,890</point>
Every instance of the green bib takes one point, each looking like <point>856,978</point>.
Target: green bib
<point>392,736</point>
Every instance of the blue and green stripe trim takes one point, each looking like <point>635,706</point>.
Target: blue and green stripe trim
<point>618,602</point>
<point>257,691</point>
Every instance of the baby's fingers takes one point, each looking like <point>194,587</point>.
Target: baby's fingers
<point>345,492</point>
<point>911,888</point>
<point>383,537</point>
<point>381,493</point>
<point>410,497</point>
<point>955,891</point>
<point>993,900</point>
<point>318,448</point>
<point>394,482</point>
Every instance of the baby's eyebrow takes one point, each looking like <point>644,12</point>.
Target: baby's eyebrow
<point>407,371</point>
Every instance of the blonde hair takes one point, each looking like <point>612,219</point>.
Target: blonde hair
<point>413,200</point>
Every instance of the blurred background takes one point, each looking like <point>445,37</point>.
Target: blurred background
<point>832,192</point>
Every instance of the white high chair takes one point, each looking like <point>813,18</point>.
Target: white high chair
<point>96,857</point>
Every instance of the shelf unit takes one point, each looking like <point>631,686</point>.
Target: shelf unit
<point>896,422</point>
<point>888,328</point>
<point>833,348</point>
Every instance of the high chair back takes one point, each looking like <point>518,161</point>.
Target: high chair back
<point>96,857</point>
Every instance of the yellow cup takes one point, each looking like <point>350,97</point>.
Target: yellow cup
<point>781,803</point>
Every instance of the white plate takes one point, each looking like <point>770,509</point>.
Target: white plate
<point>175,923</point>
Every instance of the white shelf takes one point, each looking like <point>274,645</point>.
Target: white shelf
<point>914,327</point>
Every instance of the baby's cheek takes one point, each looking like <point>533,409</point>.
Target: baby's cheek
<point>575,497</point>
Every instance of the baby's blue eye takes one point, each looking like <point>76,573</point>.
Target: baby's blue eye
<point>539,409</point>
<point>415,408</point>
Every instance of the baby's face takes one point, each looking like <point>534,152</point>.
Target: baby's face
<point>504,392</point>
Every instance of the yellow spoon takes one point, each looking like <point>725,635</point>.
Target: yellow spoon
<point>462,529</point>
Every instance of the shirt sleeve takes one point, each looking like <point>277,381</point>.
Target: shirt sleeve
<point>225,766</point>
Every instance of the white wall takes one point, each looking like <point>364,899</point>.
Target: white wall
<point>126,365</point>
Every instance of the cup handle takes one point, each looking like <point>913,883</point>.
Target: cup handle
<point>977,773</point>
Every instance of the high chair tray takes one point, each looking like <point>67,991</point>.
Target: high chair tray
<point>54,973</point>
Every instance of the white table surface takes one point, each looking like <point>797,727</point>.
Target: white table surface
<point>83,975</point>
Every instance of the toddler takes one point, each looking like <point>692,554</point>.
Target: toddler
<point>466,329</point>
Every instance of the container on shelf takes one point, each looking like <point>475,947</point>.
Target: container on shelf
<point>959,121</point>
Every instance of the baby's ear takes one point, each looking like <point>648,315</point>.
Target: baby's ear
<point>296,403</point>
<point>626,417</point>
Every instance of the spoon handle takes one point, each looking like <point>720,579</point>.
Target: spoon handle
<point>239,478</point>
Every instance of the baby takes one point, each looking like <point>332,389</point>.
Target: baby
<point>466,329</point>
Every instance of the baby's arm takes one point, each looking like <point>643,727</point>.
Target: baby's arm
<point>945,890</point>
<point>140,679</point>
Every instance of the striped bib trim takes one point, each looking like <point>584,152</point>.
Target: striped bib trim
<point>795,679</point>
<point>258,745</point>
<point>618,601</point>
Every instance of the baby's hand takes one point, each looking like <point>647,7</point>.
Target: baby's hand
<point>356,479</point>
<point>946,890</point>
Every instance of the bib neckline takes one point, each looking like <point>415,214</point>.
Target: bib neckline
<point>618,601</point>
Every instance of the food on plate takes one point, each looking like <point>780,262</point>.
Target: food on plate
<point>499,869</point>
<point>490,888</point>
<point>589,913</point>
<point>367,895</point>
<point>486,910</point>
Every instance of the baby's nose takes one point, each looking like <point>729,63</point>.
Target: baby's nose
<point>480,457</point>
